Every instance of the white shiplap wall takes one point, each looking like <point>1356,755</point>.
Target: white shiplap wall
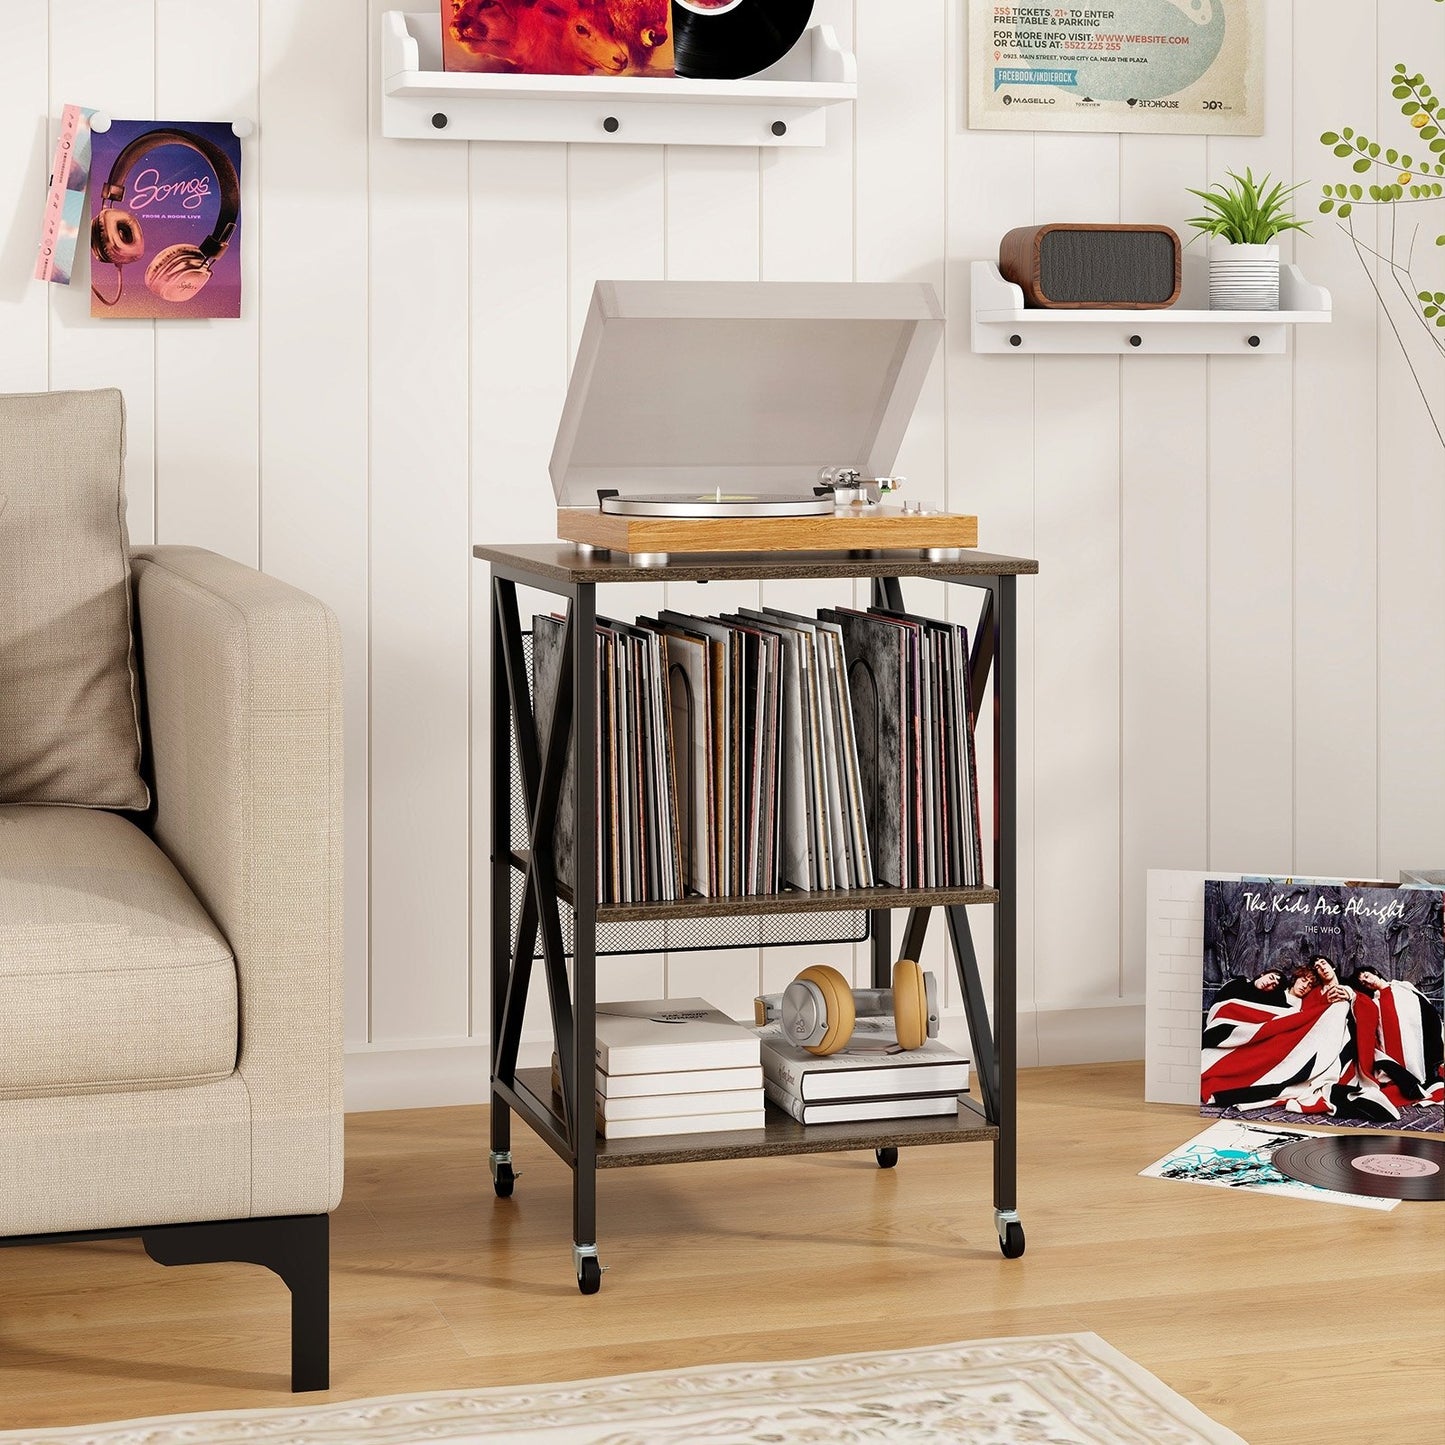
<point>1231,659</point>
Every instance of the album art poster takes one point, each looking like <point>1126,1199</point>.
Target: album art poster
<point>558,37</point>
<point>1191,67</point>
<point>1322,1004</point>
<point>1228,1155</point>
<point>165,220</point>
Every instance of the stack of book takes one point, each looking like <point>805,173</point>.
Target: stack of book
<point>674,1066</point>
<point>870,1079</point>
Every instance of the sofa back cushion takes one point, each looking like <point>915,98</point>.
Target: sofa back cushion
<point>69,728</point>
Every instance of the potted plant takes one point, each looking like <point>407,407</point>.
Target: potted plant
<point>1243,218</point>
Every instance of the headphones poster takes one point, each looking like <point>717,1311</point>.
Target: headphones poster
<point>165,220</point>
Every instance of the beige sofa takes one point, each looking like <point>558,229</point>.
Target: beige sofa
<point>170,980</point>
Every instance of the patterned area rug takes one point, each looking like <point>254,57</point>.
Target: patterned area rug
<point>1053,1389</point>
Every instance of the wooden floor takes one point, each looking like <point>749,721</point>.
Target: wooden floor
<point>1289,1321</point>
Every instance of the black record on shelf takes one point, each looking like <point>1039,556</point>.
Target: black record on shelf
<point>728,39</point>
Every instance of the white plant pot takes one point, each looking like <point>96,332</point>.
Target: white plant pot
<point>1244,278</point>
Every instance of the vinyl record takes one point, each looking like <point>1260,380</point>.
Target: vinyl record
<point>1392,1166</point>
<point>728,39</point>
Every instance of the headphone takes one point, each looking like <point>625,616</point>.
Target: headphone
<point>818,1009</point>
<point>179,271</point>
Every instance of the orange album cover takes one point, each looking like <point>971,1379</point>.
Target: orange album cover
<point>558,37</point>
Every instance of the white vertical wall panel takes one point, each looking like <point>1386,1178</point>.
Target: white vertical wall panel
<point>1411,498</point>
<point>991,463</point>
<point>103,55</point>
<point>1076,729</point>
<point>1250,583</point>
<point>1336,650</point>
<point>420,503</point>
<point>1236,624</point>
<point>1164,688</point>
<point>901,233</point>
<point>207,380</point>
<point>519,355</point>
<point>25,151</point>
<point>313,300</point>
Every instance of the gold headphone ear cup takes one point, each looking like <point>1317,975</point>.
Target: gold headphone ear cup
<point>178,272</point>
<point>115,236</point>
<point>838,1000</point>
<point>910,1004</point>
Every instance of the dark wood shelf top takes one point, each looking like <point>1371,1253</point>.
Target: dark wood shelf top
<point>832,900</point>
<point>780,1135</point>
<point>562,562</point>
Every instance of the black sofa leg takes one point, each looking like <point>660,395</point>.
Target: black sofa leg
<point>297,1247</point>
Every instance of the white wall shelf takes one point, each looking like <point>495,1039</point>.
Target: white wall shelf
<point>785,105</point>
<point>1002,323</point>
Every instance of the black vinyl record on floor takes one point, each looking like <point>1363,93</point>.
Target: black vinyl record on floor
<point>718,40</point>
<point>1392,1166</point>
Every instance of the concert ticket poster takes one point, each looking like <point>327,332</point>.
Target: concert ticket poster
<point>1322,1005</point>
<point>1183,67</point>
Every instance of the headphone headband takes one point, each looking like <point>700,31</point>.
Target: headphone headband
<point>216,158</point>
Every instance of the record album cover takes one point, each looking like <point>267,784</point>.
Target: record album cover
<point>558,37</point>
<point>165,220</point>
<point>1323,1003</point>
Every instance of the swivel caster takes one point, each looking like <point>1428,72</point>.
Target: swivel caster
<point>887,1156</point>
<point>504,1177</point>
<point>1010,1233</point>
<point>589,1268</point>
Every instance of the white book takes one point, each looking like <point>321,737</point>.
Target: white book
<point>846,1111</point>
<point>665,1106</point>
<point>662,1035</point>
<point>681,1124</point>
<point>871,1066</point>
<point>681,1081</point>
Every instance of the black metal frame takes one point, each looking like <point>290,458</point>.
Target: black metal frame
<point>295,1246</point>
<point>573,1137</point>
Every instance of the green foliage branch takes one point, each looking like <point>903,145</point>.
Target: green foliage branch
<point>1398,178</point>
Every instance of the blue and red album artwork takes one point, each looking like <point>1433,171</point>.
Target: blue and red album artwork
<point>165,220</point>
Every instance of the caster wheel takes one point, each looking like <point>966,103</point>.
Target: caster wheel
<point>887,1156</point>
<point>1012,1242</point>
<point>504,1181</point>
<point>589,1276</point>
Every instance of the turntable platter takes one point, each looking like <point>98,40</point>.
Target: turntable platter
<point>719,504</point>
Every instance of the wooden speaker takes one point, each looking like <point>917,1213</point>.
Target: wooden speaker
<point>1126,267</point>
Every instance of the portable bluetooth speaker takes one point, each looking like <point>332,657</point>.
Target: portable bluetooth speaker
<point>1125,267</point>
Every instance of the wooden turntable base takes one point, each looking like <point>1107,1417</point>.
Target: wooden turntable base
<point>882,529</point>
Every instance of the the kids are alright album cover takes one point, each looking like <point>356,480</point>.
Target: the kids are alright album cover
<point>1322,1004</point>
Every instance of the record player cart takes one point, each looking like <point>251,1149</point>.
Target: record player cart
<point>567,1125</point>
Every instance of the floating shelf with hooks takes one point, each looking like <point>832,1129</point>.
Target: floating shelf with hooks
<point>1002,323</point>
<point>785,105</point>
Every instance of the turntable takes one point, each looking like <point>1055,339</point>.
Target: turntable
<point>733,416</point>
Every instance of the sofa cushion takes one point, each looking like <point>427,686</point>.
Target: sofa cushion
<point>68,717</point>
<point>112,977</point>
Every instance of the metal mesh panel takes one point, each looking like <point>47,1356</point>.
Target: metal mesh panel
<point>777,930</point>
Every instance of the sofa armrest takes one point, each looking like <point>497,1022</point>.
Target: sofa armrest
<point>242,687</point>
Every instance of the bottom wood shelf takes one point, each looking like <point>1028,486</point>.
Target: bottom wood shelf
<point>780,1135</point>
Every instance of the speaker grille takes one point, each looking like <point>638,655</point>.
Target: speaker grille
<point>1124,267</point>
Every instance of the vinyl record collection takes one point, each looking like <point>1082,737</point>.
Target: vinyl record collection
<point>745,754</point>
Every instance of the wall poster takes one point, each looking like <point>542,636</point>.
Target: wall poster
<point>1192,67</point>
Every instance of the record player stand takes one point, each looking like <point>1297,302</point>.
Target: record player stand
<point>568,1125</point>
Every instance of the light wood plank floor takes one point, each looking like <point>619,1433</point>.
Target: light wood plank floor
<point>1291,1322</point>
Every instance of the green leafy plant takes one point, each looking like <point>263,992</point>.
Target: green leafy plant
<point>1248,212</point>
<point>1398,178</point>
